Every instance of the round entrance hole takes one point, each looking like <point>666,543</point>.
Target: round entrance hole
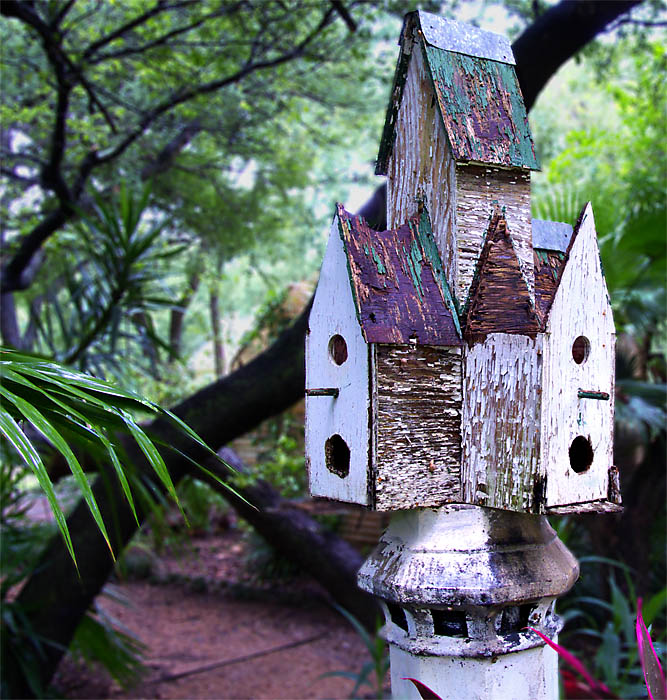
<point>338,349</point>
<point>337,456</point>
<point>581,454</point>
<point>580,349</point>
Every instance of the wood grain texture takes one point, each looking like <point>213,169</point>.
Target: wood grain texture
<point>347,414</point>
<point>479,190</point>
<point>418,426</point>
<point>398,284</point>
<point>580,308</point>
<point>588,507</point>
<point>421,169</point>
<point>499,300</point>
<point>482,109</point>
<point>501,423</point>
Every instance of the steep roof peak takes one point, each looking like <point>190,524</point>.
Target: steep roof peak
<point>499,300</point>
<point>472,76</point>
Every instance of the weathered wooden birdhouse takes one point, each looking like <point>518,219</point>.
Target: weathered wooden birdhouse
<point>465,355</point>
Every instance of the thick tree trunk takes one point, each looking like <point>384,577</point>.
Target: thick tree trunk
<point>557,35</point>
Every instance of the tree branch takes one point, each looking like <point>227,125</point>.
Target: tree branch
<point>164,159</point>
<point>345,15</point>
<point>157,9</point>
<point>182,96</point>
<point>557,35</point>
<point>12,275</point>
<point>162,40</point>
<point>62,13</point>
<point>12,175</point>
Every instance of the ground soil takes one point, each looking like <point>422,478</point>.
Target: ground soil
<point>213,628</point>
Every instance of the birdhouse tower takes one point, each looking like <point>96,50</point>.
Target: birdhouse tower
<point>466,354</point>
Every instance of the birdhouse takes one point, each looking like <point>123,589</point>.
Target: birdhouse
<point>466,354</point>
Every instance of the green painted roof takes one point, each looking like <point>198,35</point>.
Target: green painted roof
<point>480,103</point>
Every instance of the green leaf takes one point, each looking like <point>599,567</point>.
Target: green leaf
<point>153,456</point>
<point>29,455</point>
<point>46,428</point>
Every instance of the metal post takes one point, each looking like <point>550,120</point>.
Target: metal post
<point>459,585</point>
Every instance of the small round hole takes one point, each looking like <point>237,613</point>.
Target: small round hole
<point>337,456</point>
<point>581,454</point>
<point>580,349</point>
<point>338,349</point>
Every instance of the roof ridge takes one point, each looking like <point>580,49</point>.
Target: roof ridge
<point>464,85</point>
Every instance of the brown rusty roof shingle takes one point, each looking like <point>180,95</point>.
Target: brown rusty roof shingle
<point>398,284</point>
<point>500,301</point>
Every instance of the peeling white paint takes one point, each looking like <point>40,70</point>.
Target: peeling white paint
<point>421,167</point>
<point>347,415</point>
<point>532,673</point>
<point>580,308</point>
<point>501,421</point>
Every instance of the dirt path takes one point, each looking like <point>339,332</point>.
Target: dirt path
<point>204,641</point>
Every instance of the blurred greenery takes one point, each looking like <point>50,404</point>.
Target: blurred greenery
<point>195,168</point>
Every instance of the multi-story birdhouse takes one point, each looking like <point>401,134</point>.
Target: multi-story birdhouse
<point>465,355</point>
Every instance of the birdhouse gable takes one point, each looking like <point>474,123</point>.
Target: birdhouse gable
<point>578,379</point>
<point>337,385</point>
<point>499,300</point>
<point>398,284</point>
<point>476,90</point>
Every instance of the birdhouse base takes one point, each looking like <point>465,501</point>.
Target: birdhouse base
<point>459,586</point>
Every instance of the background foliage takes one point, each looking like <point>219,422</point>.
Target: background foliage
<point>169,169</point>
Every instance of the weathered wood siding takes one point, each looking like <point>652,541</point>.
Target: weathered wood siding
<point>580,308</point>
<point>347,414</point>
<point>421,168</point>
<point>418,446</point>
<point>479,189</point>
<point>501,423</point>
